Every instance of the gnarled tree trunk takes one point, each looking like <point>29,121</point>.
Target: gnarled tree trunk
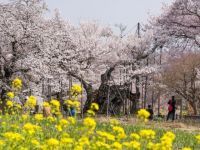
<point>6,75</point>
<point>88,88</point>
<point>116,95</point>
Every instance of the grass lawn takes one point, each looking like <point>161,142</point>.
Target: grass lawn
<point>185,134</point>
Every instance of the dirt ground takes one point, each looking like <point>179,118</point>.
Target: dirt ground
<point>189,126</point>
<point>175,125</point>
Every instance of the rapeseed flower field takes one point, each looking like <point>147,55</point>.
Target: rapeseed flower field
<point>20,130</point>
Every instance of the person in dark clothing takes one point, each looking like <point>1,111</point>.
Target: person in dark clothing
<point>150,110</point>
<point>171,108</point>
<point>72,112</point>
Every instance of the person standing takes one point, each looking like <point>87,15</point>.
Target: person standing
<point>72,112</point>
<point>171,108</point>
<point>150,110</point>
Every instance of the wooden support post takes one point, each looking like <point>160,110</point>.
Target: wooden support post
<point>70,85</point>
<point>145,92</point>
<point>131,103</point>
<point>142,97</point>
<point>159,105</point>
<point>181,109</point>
<point>108,102</point>
<point>60,95</point>
<point>43,90</point>
<point>152,100</point>
<point>81,98</point>
<point>145,86</point>
<point>159,91</point>
<point>49,89</point>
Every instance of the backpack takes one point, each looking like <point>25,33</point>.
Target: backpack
<point>170,108</point>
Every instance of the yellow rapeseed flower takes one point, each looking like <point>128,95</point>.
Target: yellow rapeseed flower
<point>51,119</point>
<point>116,146</point>
<point>83,141</point>
<point>119,131</point>
<point>147,134</point>
<point>12,136</point>
<point>151,146</point>
<point>24,117</point>
<point>46,104</point>
<point>52,142</point>
<point>55,103</point>
<point>69,102</point>
<point>71,120</point>
<point>143,114</point>
<point>18,106</point>
<point>105,135</point>
<point>165,143</point>
<point>76,104</point>
<point>35,142</point>
<point>2,142</point>
<point>10,95</point>
<point>58,127</point>
<point>102,145</point>
<point>89,123</point>
<point>168,135</point>
<point>17,83</point>
<point>63,122</point>
<point>31,102</point>
<point>94,106</point>
<point>55,107</point>
<point>39,117</point>
<point>72,103</point>
<point>198,138</point>
<point>9,103</point>
<point>90,113</point>
<point>135,145</point>
<point>30,128</point>
<point>135,136</point>
<point>132,145</point>
<point>76,89</point>
<point>66,141</point>
<point>65,135</point>
<point>78,147</point>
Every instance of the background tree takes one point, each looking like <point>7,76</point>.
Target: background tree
<point>179,24</point>
<point>181,76</point>
<point>21,26</point>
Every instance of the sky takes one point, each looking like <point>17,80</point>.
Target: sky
<point>110,12</point>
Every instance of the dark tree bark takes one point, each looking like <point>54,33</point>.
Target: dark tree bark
<point>117,94</point>
<point>8,69</point>
<point>88,88</point>
<point>5,87</point>
<point>135,97</point>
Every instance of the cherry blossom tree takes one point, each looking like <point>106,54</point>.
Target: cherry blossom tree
<point>37,48</point>
<point>93,45</point>
<point>21,26</point>
<point>134,51</point>
<point>179,23</point>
